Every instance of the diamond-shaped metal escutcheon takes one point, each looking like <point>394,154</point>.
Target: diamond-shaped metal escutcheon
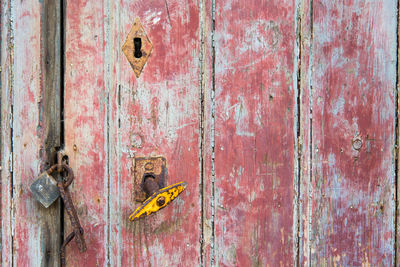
<point>137,47</point>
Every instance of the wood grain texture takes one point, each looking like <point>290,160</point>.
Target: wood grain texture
<point>207,69</point>
<point>30,233</point>
<point>50,123</point>
<point>6,84</point>
<point>280,115</point>
<point>156,115</point>
<point>397,150</point>
<point>353,112</point>
<point>111,117</point>
<point>254,133</point>
<point>85,107</point>
<point>304,129</point>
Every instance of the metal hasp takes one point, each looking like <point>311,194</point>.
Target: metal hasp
<point>46,190</point>
<point>137,47</point>
<point>153,173</point>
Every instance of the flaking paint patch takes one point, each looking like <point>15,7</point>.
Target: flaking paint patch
<point>257,38</point>
<point>242,118</point>
<point>338,106</point>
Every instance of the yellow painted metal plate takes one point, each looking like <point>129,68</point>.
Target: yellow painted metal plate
<point>150,206</point>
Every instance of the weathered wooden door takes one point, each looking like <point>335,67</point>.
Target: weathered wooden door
<point>281,116</point>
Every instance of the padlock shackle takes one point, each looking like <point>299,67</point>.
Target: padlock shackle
<point>57,167</point>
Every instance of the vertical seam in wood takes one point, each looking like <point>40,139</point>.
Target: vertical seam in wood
<point>201,127</point>
<point>1,136</point>
<point>7,50</point>
<point>8,184</point>
<point>297,134</point>
<point>310,163</point>
<point>213,237</point>
<point>396,141</point>
<point>62,93</point>
<point>50,123</point>
<point>11,163</point>
<point>204,16</point>
<point>108,87</point>
<point>62,70</point>
<point>117,15</point>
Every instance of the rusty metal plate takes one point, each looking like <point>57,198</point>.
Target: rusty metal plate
<point>155,166</point>
<point>137,47</point>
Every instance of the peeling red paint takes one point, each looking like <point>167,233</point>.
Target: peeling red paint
<point>254,136</point>
<point>220,100</point>
<point>353,87</point>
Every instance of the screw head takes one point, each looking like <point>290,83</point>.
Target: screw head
<point>357,143</point>
<point>161,201</point>
<point>149,166</point>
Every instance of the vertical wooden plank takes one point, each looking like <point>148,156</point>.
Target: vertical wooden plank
<point>255,102</point>
<point>85,108</point>
<point>397,150</point>
<point>304,129</point>
<point>49,128</point>
<point>353,123</point>
<point>207,57</point>
<point>156,115</point>
<point>30,233</point>
<point>107,108</point>
<point>6,76</point>
<point>51,102</point>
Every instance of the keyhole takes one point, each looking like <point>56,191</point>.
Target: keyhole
<point>138,46</point>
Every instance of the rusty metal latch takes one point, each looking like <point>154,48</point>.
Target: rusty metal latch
<point>46,189</point>
<point>158,196</point>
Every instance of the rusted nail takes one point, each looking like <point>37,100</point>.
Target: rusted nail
<point>357,143</point>
<point>149,166</point>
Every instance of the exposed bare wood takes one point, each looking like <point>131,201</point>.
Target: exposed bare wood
<point>50,123</point>
<point>305,130</point>
<point>30,97</point>
<point>6,118</point>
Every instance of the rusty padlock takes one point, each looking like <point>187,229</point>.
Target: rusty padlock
<point>45,189</point>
